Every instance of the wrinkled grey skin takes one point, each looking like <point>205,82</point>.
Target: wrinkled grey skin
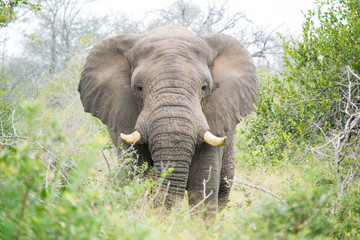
<point>172,85</point>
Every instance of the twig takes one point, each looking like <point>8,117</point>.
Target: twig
<point>47,151</point>
<point>23,206</point>
<point>204,192</point>
<point>107,164</point>
<point>121,156</point>
<point>337,142</point>
<point>12,122</point>
<point>259,188</point>
<point>157,192</point>
<point>168,231</point>
<point>165,195</point>
<point>243,210</point>
<point>260,205</point>
<point>56,159</point>
<point>206,181</point>
<point>199,203</point>
<point>46,177</point>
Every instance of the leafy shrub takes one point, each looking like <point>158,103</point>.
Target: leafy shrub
<point>51,189</point>
<point>305,217</point>
<point>309,99</point>
<point>44,199</point>
<point>347,217</point>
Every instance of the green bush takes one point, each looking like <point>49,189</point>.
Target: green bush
<point>347,217</point>
<point>302,118</point>
<point>47,192</point>
<point>309,99</point>
<point>318,63</point>
<point>305,217</point>
<point>270,133</point>
<point>52,189</point>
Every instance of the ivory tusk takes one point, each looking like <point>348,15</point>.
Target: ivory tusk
<point>131,138</point>
<point>214,140</point>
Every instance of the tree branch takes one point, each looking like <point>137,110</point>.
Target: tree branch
<point>258,188</point>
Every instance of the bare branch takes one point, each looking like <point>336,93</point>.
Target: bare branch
<point>205,196</point>
<point>120,157</point>
<point>338,146</point>
<point>12,122</point>
<point>259,188</point>
<point>199,203</point>
<point>107,163</point>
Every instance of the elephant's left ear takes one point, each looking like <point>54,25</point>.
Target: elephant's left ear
<point>235,84</point>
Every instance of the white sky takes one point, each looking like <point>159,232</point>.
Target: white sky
<point>266,13</point>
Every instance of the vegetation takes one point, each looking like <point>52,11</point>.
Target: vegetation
<point>297,158</point>
<point>8,9</point>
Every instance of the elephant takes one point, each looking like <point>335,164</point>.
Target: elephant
<point>176,97</point>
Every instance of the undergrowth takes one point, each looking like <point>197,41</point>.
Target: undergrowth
<point>53,188</point>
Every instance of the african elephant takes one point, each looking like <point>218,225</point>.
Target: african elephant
<point>179,97</point>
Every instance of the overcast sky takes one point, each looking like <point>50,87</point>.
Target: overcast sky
<point>266,13</point>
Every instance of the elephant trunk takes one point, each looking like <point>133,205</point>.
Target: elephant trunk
<point>171,135</point>
<point>172,146</point>
<point>173,177</point>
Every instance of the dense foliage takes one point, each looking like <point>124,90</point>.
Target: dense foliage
<point>297,158</point>
<point>8,9</point>
<point>311,97</point>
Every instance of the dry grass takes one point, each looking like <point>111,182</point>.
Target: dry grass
<point>280,180</point>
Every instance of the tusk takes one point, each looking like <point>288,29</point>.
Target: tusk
<point>214,140</point>
<point>131,138</point>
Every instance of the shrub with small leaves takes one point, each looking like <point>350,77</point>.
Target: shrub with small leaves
<point>310,98</point>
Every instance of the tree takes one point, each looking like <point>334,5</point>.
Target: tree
<point>8,95</point>
<point>53,41</point>
<point>318,66</point>
<point>190,15</point>
<point>8,10</point>
<point>314,106</point>
<point>215,19</point>
<point>8,14</point>
<point>62,31</point>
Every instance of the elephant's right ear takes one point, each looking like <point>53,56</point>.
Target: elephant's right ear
<point>105,85</point>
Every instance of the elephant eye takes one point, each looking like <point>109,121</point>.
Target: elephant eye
<point>205,88</point>
<point>139,88</point>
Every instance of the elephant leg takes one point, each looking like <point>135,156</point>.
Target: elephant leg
<point>227,173</point>
<point>204,174</point>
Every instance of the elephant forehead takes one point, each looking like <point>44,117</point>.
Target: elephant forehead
<point>172,68</point>
<point>154,47</point>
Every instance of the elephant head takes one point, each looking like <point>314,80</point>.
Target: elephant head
<point>169,91</point>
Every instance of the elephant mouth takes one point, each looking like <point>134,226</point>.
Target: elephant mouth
<point>208,137</point>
